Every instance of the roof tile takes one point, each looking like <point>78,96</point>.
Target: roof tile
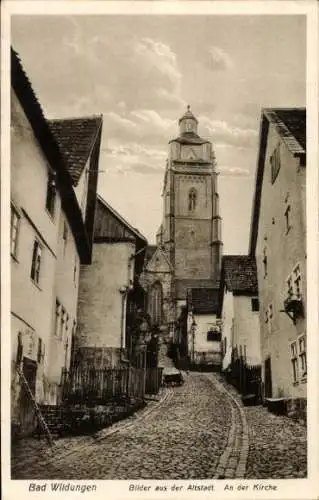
<point>75,137</point>
<point>240,273</point>
<point>204,300</point>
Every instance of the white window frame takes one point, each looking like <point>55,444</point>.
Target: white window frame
<point>294,283</point>
<point>36,262</point>
<point>298,358</point>
<point>14,230</point>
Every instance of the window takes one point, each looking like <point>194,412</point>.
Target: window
<point>51,193</point>
<point>65,234</point>
<point>287,217</point>
<point>39,354</point>
<point>36,262</point>
<point>298,357</point>
<point>255,304</point>
<point>269,317</point>
<point>58,311</point>
<point>19,349</point>
<point>214,334</point>
<point>192,199</point>
<point>156,303</point>
<point>265,262</point>
<point>297,281</point>
<point>15,222</point>
<point>275,163</point>
<point>294,361</point>
<point>302,356</point>
<point>74,271</point>
<point>294,284</point>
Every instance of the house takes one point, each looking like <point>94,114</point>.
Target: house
<point>50,238</point>
<point>239,309</point>
<point>109,289</point>
<point>203,328</point>
<point>278,241</point>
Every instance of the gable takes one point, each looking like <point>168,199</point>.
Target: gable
<point>108,227</point>
<point>159,263</point>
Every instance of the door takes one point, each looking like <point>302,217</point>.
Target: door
<point>268,382</point>
<point>27,414</point>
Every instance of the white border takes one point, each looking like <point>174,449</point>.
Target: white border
<point>292,489</point>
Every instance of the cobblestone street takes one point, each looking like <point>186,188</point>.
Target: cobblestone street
<point>196,431</point>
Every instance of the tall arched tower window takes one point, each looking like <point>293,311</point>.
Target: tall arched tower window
<point>156,299</point>
<point>192,199</point>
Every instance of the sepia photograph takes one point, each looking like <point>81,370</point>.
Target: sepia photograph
<point>158,249</point>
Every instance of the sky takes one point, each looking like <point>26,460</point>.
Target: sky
<point>141,72</point>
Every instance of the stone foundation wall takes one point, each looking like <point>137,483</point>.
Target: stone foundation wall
<point>297,409</point>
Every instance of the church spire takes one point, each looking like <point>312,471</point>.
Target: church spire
<point>188,122</point>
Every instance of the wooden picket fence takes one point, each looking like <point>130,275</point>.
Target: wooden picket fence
<point>245,378</point>
<point>153,380</point>
<point>99,386</point>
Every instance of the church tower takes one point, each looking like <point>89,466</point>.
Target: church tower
<point>191,229</point>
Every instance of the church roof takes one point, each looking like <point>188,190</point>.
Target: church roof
<point>203,300</point>
<point>189,138</point>
<point>76,137</point>
<point>188,115</point>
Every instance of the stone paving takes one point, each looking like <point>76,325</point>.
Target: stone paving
<point>277,444</point>
<point>183,437</point>
<point>196,431</point>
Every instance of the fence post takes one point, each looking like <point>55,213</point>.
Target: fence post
<point>144,373</point>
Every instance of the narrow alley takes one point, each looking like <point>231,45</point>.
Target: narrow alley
<point>198,430</point>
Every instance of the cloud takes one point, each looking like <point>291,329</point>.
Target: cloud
<point>219,60</point>
<point>133,157</point>
<point>145,125</point>
<point>157,57</point>
<point>234,171</point>
<point>225,133</point>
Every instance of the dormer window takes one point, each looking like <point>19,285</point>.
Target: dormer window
<point>192,200</point>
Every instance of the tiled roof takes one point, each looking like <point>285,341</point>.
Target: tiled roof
<point>189,138</point>
<point>239,273</point>
<point>295,121</point>
<point>291,125</point>
<point>203,300</point>
<point>76,137</point>
<point>188,114</point>
<point>181,286</point>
